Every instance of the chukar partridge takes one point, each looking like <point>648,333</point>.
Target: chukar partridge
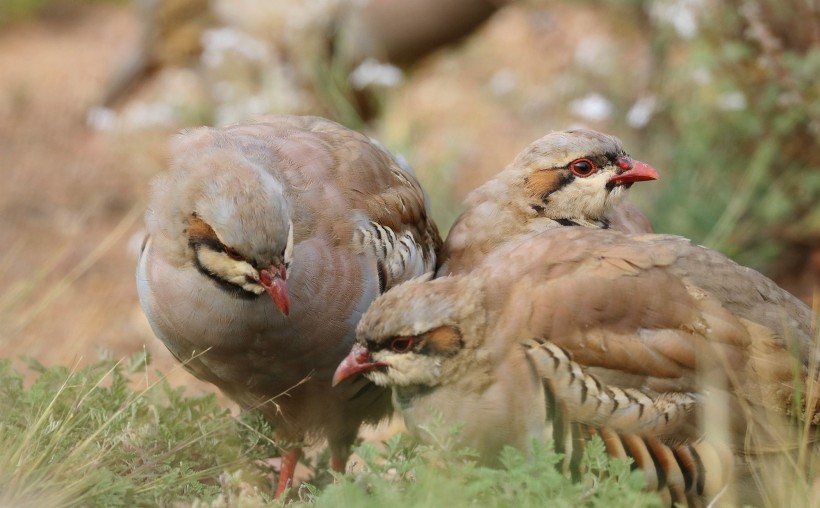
<point>566,178</point>
<point>266,243</point>
<point>676,355</point>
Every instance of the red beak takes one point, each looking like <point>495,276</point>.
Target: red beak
<point>273,280</point>
<point>634,171</point>
<point>356,362</point>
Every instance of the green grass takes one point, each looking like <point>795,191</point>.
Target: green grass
<point>12,11</point>
<point>84,437</point>
<point>403,473</point>
<point>742,179</point>
<point>746,182</point>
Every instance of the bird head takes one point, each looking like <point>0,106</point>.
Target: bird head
<point>238,225</point>
<point>414,334</point>
<point>576,175</point>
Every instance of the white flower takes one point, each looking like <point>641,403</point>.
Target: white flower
<point>594,53</point>
<point>503,82</point>
<point>143,115</point>
<point>594,107</point>
<point>732,101</point>
<point>641,112</point>
<point>101,118</point>
<point>681,14</point>
<point>218,42</point>
<point>371,72</point>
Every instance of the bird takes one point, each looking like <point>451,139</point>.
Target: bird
<point>266,242</point>
<point>576,177</point>
<point>576,331</point>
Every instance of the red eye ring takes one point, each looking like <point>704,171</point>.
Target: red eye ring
<point>582,167</point>
<point>402,344</point>
<point>232,253</point>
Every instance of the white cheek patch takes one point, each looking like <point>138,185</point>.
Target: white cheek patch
<point>230,270</point>
<point>405,369</point>
<point>585,198</point>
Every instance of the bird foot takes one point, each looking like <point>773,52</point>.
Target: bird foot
<point>290,457</point>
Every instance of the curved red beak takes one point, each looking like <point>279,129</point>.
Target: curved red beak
<point>356,362</point>
<point>634,171</point>
<point>273,280</point>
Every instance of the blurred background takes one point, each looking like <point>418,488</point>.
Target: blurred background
<point>722,97</point>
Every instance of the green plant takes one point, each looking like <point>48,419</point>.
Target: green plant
<point>407,474</point>
<point>82,437</point>
<point>19,10</point>
<point>739,120</point>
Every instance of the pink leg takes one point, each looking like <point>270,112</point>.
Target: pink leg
<point>337,462</point>
<point>290,458</point>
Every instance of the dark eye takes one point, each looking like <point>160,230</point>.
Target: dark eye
<point>232,253</point>
<point>402,344</point>
<point>582,167</point>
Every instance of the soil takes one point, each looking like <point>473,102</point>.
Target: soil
<point>72,197</point>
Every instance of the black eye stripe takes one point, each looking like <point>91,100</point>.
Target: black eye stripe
<point>197,242</point>
<point>229,287</point>
<point>562,182</point>
<point>599,160</point>
<point>374,345</point>
<point>206,241</point>
<point>402,344</point>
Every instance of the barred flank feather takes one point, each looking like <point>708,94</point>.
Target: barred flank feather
<point>398,255</point>
<point>591,401</point>
<point>687,474</point>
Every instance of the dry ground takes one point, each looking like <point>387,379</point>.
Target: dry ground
<point>71,198</point>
